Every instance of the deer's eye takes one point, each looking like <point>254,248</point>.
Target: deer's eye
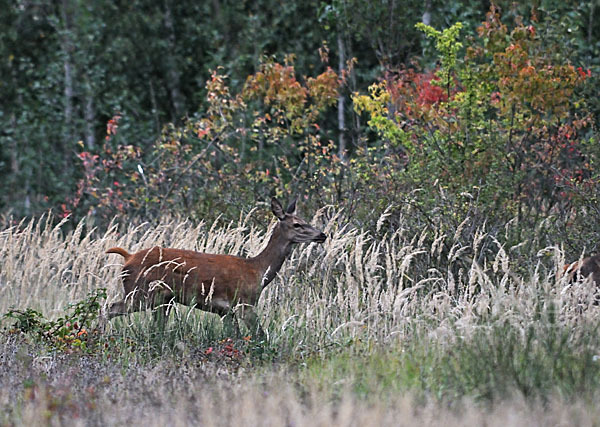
<point>296,225</point>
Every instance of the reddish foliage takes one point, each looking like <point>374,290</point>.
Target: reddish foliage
<point>428,93</point>
<point>242,143</point>
<point>112,125</point>
<point>413,93</point>
<point>227,350</point>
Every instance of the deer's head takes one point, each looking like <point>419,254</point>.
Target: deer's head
<point>294,228</point>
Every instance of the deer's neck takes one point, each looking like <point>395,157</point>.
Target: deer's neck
<point>270,260</point>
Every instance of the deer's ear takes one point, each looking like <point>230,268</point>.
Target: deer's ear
<point>277,209</point>
<point>291,209</point>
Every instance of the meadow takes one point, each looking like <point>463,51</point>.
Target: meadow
<point>370,328</point>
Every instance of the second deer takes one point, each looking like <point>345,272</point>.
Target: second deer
<point>586,268</point>
<point>216,283</point>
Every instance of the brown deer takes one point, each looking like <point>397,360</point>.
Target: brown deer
<point>214,283</point>
<point>586,268</point>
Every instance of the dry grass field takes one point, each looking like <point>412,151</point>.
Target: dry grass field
<point>393,329</point>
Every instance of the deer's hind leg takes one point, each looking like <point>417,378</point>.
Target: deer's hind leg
<point>119,308</point>
<point>137,297</point>
<point>133,301</point>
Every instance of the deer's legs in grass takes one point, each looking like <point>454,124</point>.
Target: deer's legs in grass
<point>230,323</point>
<point>250,319</point>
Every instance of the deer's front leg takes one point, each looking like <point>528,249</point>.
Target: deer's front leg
<point>250,319</point>
<point>230,323</point>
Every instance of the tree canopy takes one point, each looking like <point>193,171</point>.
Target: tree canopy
<point>203,108</point>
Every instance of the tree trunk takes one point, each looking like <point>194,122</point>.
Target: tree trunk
<point>173,76</point>
<point>341,100</point>
<point>89,116</point>
<point>67,48</point>
<point>427,13</point>
<point>155,111</point>
<point>17,148</point>
<point>590,34</point>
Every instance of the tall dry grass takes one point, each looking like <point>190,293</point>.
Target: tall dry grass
<point>455,321</point>
<point>354,286</point>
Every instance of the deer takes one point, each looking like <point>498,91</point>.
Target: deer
<point>587,270</point>
<point>224,284</point>
<point>588,267</point>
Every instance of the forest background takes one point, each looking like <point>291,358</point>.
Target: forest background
<point>199,109</point>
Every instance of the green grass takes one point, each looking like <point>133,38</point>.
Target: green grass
<point>491,365</point>
<point>460,382</point>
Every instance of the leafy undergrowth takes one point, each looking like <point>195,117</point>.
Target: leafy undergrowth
<point>71,332</point>
<point>491,379</point>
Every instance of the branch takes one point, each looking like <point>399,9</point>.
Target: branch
<point>195,160</point>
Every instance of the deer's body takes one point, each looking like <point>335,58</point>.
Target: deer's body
<point>216,283</point>
<point>191,277</point>
<point>586,268</point>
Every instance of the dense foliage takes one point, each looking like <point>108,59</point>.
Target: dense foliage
<point>144,108</point>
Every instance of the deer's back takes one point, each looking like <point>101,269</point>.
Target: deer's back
<point>195,272</point>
